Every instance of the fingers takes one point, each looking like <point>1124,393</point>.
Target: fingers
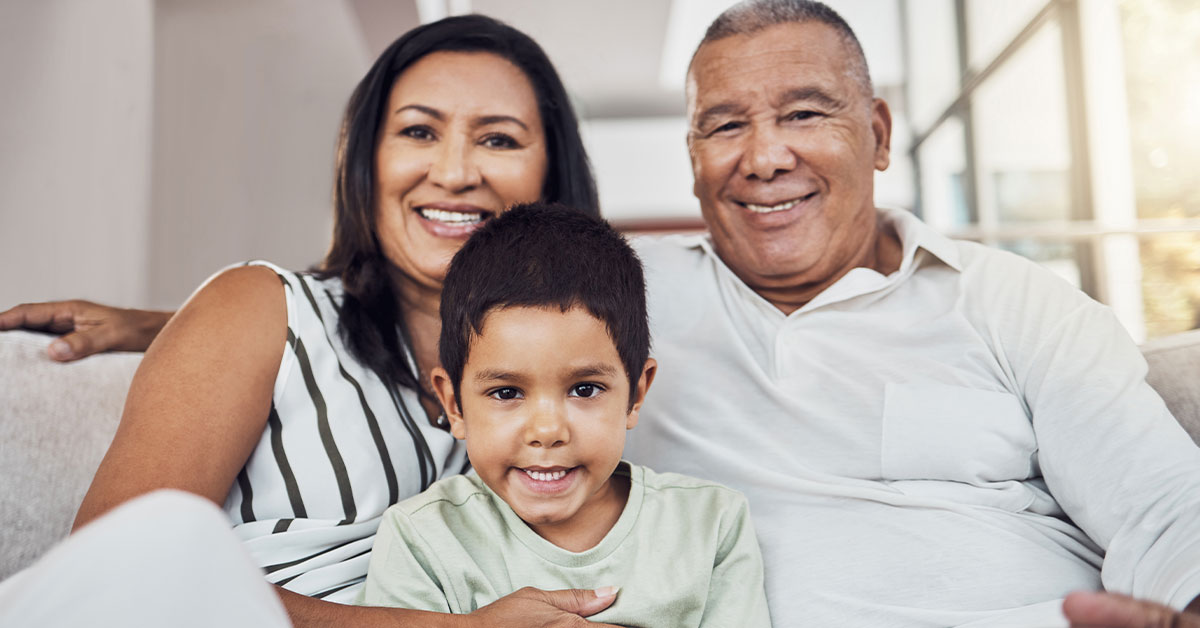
<point>54,316</point>
<point>80,344</point>
<point>1121,611</point>
<point>580,601</point>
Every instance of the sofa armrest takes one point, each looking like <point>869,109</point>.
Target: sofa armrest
<point>1175,374</point>
<point>56,422</point>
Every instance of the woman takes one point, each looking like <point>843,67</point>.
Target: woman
<point>304,410</point>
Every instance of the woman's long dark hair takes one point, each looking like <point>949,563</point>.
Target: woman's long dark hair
<point>371,323</point>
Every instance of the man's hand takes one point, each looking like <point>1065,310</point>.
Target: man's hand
<point>87,327</point>
<point>1113,610</point>
<point>534,608</point>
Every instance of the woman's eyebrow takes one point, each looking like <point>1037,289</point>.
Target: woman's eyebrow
<point>497,119</point>
<point>429,111</point>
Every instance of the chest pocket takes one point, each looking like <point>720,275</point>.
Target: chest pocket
<point>940,432</point>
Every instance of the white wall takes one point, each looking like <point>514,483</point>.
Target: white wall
<point>248,98</point>
<point>144,145</point>
<point>75,101</point>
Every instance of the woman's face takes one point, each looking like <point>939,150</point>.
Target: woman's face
<point>461,141</point>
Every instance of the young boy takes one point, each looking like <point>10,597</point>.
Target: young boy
<point>544,352</point>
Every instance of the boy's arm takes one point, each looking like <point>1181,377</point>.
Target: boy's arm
<point>736,594</point>
<point>401,572</point>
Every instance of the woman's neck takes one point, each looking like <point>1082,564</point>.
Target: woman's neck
<point>420,308</point>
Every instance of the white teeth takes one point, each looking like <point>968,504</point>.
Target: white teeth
<point>542,476</point>
<point>767,209</point>
<point>454,218</point>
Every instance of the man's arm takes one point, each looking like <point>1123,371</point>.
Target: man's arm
<point>87,327</point>
<point>1111,454</point>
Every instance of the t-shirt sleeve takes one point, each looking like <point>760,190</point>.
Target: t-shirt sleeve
<point>402,573</point>
<point>736,595</point>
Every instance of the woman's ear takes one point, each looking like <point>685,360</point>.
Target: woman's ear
<point>444,389</point>
<point>639,396</point>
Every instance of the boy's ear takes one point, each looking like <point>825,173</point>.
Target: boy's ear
<point>639,396</point>
<point>444,389</point>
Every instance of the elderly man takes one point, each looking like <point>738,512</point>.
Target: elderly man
<point>930,432</point>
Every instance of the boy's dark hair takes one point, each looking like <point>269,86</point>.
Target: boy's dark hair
<point>545,255</point>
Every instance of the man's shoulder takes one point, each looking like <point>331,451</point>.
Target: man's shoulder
<point>670,252</point>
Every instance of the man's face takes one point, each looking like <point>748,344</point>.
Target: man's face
<point>784,144</point>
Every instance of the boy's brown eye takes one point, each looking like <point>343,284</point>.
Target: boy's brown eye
<point>505,394</point>
<point>585,390</point>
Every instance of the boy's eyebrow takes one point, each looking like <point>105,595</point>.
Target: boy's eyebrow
<point>594,370</point>
<point>491,375</point>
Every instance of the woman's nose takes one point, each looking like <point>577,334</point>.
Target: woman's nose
<point>454,168</point>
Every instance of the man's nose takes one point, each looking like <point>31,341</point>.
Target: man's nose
<point>546,425</point>
<point>454,168</point>
<point>767,154</point>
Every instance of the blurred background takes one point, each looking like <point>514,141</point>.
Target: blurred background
<point>144,144</point>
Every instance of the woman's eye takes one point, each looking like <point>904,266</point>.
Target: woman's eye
<point>417,132</point>
<point>505,394</point>
<point>499,140</point>
<point>585,390</point>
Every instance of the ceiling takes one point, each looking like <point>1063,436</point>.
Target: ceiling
<point>623,58</point>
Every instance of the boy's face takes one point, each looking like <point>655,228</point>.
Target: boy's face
<point>544,409</point>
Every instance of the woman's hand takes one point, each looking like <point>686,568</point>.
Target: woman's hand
<point>87,327</point>
<point>544,609</point>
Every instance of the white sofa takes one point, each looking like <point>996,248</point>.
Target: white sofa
<point>56,420</point>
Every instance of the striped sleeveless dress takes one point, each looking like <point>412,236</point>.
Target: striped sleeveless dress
<point>339,448</point>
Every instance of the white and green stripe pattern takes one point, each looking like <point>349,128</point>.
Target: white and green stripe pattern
<point>339,448</point>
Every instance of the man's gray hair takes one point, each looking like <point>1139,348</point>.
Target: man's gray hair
<point>751,16</point>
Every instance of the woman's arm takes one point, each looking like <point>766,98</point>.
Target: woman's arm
<point>87,327</point>
<point>199,402</point>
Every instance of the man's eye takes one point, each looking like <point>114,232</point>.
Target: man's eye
<point>802,115</point>
<point>505,394</point>
<point>586,390</point>
<point>417,132</point>
<point>727,127</point>
<point>500,140</point>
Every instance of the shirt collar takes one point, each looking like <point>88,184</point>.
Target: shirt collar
<point>915,234</point>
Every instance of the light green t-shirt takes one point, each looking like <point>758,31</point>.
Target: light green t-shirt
<point>683,553</point>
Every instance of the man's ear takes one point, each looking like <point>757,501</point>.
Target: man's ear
<point>881,126</point>
<point>444,389</point>
<point>639,396</point>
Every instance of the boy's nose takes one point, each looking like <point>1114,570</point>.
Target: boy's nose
<point>547,425</point>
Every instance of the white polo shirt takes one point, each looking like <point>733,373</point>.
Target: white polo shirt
<point>958,441</point>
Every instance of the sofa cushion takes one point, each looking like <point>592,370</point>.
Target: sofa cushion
<point>56,422</point>
<point>1175,374</point>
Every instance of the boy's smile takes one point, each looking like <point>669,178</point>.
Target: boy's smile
<point>544,407</point>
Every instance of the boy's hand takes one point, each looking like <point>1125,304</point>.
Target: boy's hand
<point>534,608</point>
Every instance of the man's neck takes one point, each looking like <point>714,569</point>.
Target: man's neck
<point>881,252</point>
